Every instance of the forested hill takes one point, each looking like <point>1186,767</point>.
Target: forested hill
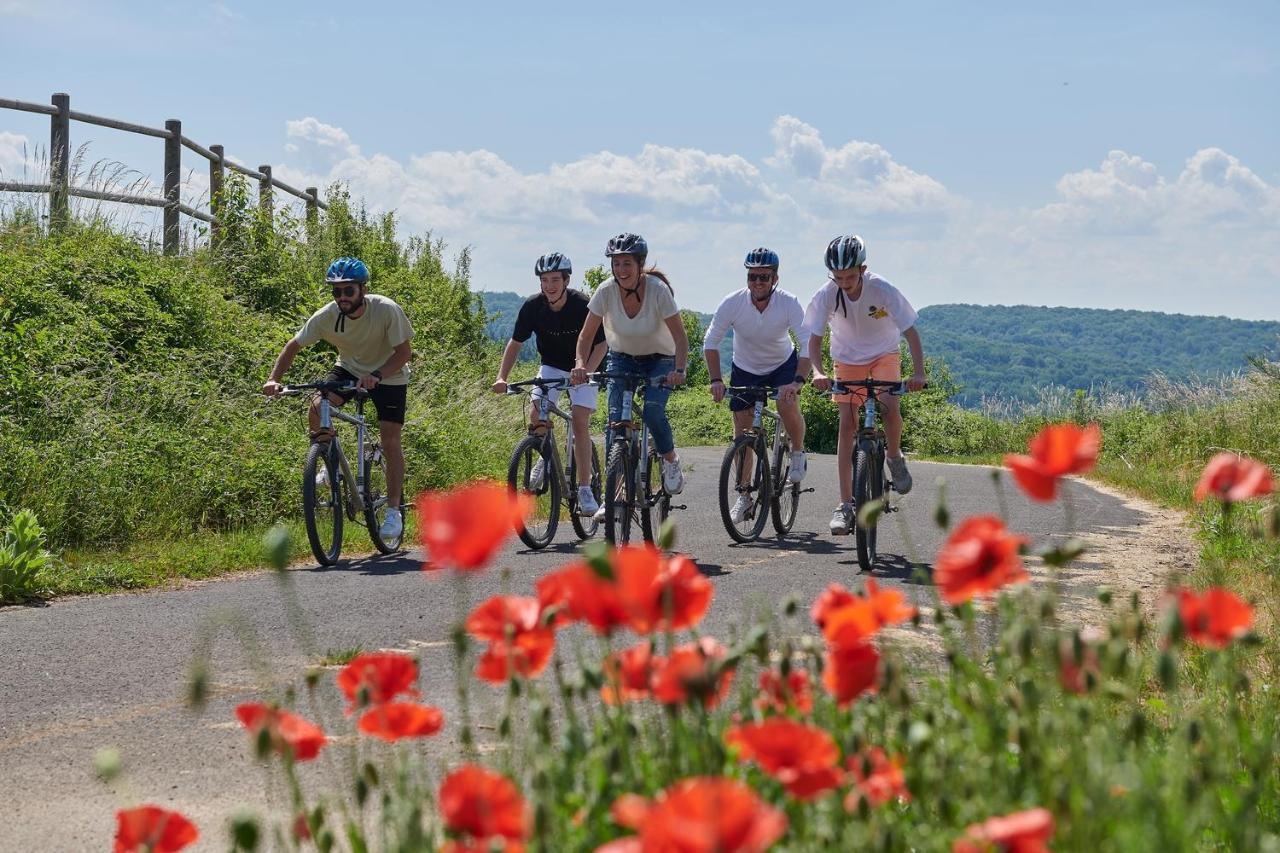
<point>1009,351</point>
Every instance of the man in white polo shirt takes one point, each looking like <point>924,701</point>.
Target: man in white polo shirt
<point>762,318</point>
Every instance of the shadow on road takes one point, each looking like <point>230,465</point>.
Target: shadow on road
<point>809,543</point>
<point>378,565</point>
<point>894,567</point>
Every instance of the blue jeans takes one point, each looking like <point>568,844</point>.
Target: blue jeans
<point>655,398</point>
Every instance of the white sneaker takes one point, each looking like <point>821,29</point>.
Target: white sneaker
<point>798,467</point>
<point>672,476</point>
<point>392,525</point>
<point>598,518</point>
<point>322,476</point>
<point>740,507</point>
<point>538,474</point>
<point>587,505</point>
<point>842,520</point>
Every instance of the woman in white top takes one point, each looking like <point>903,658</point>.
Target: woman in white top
<point>646,336</point>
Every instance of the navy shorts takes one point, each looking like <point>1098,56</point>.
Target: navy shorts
<point>784,375</point>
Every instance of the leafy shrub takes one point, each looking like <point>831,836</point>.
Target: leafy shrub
<point>22,557</point>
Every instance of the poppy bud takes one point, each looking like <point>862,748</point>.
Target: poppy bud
<point>262,743</point>
<point>245,833</point>
<point>504,727</point>
<point>596,553</point>
<point>276,545</point>
<point>312,677</point>
<point>1193,731</point>
<point>1168,670</point>
<point>371,774</point>
<point>198,686</point>
<point>1105,595</point>
<point>362,790</point>
<point>790,606</point>
<point>106,763</point>
<point>466,738</point>
<point>666,539</point>
<point>869,513</point>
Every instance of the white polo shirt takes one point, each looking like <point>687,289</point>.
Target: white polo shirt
<point>864,330</point>
<point>761,339</point>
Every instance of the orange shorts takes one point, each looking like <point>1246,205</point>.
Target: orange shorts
<point>887,367</point>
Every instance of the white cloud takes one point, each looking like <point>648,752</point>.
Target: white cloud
<point>15,156</point>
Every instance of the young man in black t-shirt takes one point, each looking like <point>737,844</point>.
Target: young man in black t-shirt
<point>556,315</point>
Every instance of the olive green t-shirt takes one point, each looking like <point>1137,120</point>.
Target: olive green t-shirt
<point>363,343</point>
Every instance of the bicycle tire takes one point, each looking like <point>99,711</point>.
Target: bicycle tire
<point>619,495</point>
<point>745,447</point>
<point>375,489</point>
<point>786,494</point>
<point>657,503</point>
<point>586,527</point>
<point>539,526</point>
<point>868,486</point>
<point>322,509</point>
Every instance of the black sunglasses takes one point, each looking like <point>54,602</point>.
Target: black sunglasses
<point>349,290</point>
<point>759,276</point>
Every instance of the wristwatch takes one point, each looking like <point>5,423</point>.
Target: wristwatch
<point>717,379</point>
<point>677,370</point>
<point>377,373</point>
<point>799,379</point>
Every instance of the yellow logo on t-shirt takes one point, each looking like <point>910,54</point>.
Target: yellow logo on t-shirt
<point>877,313</point>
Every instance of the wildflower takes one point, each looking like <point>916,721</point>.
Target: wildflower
<point>1230,477</point>
<point>527,656</point>
<point>877,778</point>
<point>850,671</point>
<point>700,815</point>
<point>301,829</point>
<point>779,694</point>
<point>979,557</point>
<point>483,805</point>
<point>1021,832</point>
<point>151,829</point>
<point>803,758</point>
<point>395,720</point>
<point>628,674</point>
<point>1076,673</point>
<point>518,639</point>
<point>1057,450</point>
<point>833,597</point>
<point>465,527</point>
<point>889,607</point>
<point>692,670</point>
<point>1214,618</point>
<point>372,678</point>
<point>288,733</point>
<point>582,594</point>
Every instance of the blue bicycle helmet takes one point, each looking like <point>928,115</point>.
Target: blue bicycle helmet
<point>627,244</point>
<point>345,270</point>
<point>553,262</point>
<point>761,257</point>
<point>845,253</point>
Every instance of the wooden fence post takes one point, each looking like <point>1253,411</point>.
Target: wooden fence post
<point>172,184</point>
<point>313,212</point>
<point>216,207</point>
<point>60,162</point>
<point>264,194</point>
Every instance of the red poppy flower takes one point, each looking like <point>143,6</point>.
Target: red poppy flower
<point>1021,832</point>
<point>979,557</point>
<point>396,720</point>
<point>832,597</point>
<point>526,656</point>
<point>1229,478</point>
<point>877,777</point>
<point>372,678</point>
<point>890,606</point>
<point>1214,618</point>
<point>502,613</point>
<point>803,758</point>
<point>850,624</point>
<point>483,804</point>
<point>301,737</point>
<point>658,593</point>
<point>692,671</point>
<point>301,830</point>
<point>1057,450</point>
<point>779,694</point>
<point>508,846</point>
<point>151,829</point>
<point>700,815</point>
<point>553,596</point>
<point>584,595</point>
<point>850,671</point>
<point>465,527</point>
<point>1075,673</point>
<point>628,674</point>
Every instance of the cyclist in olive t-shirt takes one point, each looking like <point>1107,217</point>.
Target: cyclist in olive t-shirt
<point>371,334</point>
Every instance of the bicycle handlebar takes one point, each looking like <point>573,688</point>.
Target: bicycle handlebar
<point>323,385</point>
<point>634,379</point>
<point>562,384</point>
<point>896,387</point>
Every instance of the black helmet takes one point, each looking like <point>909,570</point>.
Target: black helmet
<point>627,244</point>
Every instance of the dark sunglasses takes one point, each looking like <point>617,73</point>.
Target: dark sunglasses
<point>754,277</point>
<point>349,290</point>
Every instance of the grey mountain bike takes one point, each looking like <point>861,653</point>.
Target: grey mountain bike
<point>330,490</point>
<point>747,472</point>
<point>558,484</point>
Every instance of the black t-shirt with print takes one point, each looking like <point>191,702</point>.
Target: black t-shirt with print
<point>557,331</point>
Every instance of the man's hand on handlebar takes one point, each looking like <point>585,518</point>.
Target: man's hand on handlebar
<point>787,393</point>
<point>675,379</point>
<point>821,381</point>
<point>271,388</point>
<point>369,382</point>
<point>500,386</point>
<point>578,375</point>
<point>917,382</point>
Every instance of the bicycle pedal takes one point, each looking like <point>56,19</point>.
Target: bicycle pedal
<point>677,506</point>
<point>807,491</point>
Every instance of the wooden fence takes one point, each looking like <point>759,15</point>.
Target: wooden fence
<point>60,190</point>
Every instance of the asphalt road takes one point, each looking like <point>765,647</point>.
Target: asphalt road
<point>83,673</point>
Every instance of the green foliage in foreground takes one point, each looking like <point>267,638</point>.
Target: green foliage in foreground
<point>22,557</point>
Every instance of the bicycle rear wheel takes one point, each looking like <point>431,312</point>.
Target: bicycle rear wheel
<point>322,508</point>
<point>868,486</point>
<point>745,451</point>
<point>540,524</point>
<point>619,495</point>
<point>786,494</point>
<point>375,502</point>
<point>657,503</point>
<point>587,526</point>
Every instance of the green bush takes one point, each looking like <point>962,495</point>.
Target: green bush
<point>22,557</point>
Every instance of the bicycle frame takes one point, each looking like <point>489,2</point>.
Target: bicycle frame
<point>621,429</point>
<point>547,408</point>
<point>762,412</point>
<point>327,413</point>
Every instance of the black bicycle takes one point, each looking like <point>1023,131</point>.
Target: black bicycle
<point>328,492</point>
<point>633,487</point>
<point>537,470</point>
<point>763,488</point>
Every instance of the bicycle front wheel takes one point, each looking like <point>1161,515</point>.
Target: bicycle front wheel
<point>532,472</point>
<point>587,526</point>
<point>322,508</point>
<point>868,486</point>
<point>744,489</point>
<point>786,494</point>
<point>657,503</point>
<point>376,505</point>
<point>619,495</point>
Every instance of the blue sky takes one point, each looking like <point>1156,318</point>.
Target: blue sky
<point>1106,155</point>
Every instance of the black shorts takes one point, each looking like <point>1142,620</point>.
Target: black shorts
<point>388,400</point>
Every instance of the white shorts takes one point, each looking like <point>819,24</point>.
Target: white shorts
<point>585,395</point>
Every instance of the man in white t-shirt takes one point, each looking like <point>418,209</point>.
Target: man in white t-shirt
<point>867,316</point>
<point>762,319</point>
